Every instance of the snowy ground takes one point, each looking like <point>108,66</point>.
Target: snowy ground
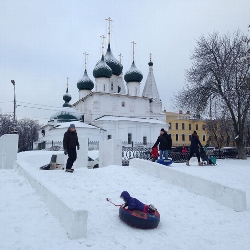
<point>188,221</point>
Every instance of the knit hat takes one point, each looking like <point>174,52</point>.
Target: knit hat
<point>72,126</point>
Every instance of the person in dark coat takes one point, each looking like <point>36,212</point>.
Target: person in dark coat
<point>194,148</point>
<point>70,142</point>
<point>134,204</point>
<point>165,143</point>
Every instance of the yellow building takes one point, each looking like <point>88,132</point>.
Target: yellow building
<point>182,126</point>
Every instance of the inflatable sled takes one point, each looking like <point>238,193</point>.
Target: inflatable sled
<point>139,219</point>
<point>165,162</point>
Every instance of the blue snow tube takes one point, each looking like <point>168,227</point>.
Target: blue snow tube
<point>139,219</point>
<point>166,162</point>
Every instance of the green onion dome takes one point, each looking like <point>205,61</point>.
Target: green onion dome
<point>113,63</point>
<point>133,74</point>
<point>67,97</point>
<point>85,82</point>
<point>66,114</point>
<point>102,69</point>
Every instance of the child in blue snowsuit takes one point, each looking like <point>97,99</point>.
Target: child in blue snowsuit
<point>134,204</point>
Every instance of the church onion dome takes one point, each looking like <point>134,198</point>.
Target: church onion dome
<point>150,63</point>
<point>85,83</point>
<point>133,74</point>
<point>102,69</point>
<point>67,97</point>
<point>114,64</point>
<point>66,114</point>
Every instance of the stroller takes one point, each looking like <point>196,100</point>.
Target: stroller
<point>207,159</point>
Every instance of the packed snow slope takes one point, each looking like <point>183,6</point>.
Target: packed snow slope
<point>188,221</point>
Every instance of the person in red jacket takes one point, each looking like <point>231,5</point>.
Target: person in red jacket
<point>154,154</point>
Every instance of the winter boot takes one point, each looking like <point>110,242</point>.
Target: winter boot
<point>187,163</point>
<point>200,164</point>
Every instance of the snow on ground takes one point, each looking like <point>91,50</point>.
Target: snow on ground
<point>188,221</point>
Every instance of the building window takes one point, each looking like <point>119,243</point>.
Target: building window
<point>183,137</point>
<point>123,104</point>
<point>170,136</point>
<point>109,137</point>
<point>177,137</point>
<point>183,126</point>
<point>170,125</point>
<point>129,138</point>
<point>203,126</point>
<point>104,88</point>
<point>176,125</point>
<point>190,137</point>
<point>144,139</point>
<point>203,137</point>
<point>112,86</point>
<point>197,127</point>
<point>190,126</point>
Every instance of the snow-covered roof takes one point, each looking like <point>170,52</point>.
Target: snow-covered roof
<point>132,119</point>
<point>78,124</point>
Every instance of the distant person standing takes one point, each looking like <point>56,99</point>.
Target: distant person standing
<point>70,142</point>
<point>165,143</point>
<point>194,148</point>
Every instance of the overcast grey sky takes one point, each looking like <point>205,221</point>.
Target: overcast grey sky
<point>42,43</point>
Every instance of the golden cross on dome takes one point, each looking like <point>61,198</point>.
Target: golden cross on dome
<point>85,59</point>
<point>103,37</point>
<point>109,20</point>
<point>133,43</point>
<point>121,56</point>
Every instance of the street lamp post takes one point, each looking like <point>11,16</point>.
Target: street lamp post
<point>13,82</point>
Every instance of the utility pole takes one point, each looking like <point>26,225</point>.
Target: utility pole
<point>14,115</point>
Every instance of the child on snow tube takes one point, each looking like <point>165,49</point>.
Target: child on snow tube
<point>134,204</point>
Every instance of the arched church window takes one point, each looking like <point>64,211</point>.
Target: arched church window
<point>104,87</point>
<point>112,86</point>
<point>123,104</point>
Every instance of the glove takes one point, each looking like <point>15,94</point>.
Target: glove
<point>126,207</point>
<point>65,151</point>
<point>78,147</point>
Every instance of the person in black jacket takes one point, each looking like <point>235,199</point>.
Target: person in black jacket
<point>70,142</point>
<point>194,148</point>
<point>165,142</point>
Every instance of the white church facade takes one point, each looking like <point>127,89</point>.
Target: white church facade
<point>111,106</point>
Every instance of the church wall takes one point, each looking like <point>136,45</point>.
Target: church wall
<point>121,129</point>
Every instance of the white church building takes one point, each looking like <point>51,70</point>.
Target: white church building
<point>111,106</point>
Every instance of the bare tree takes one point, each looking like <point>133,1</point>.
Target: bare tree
<point>220,75</point>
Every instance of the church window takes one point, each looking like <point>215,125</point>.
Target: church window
<point>177,137</point>
<point>123,104</point>
<point>112,86</point>
<point>176,125</point>
<point>197,127</point>
<point>109,137</point>
<point>190,137</point>
<point>104,88</point>
<point>183,126</point>
<point>129,138</point>
<point>190,126</point>
<point>144,140</point>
